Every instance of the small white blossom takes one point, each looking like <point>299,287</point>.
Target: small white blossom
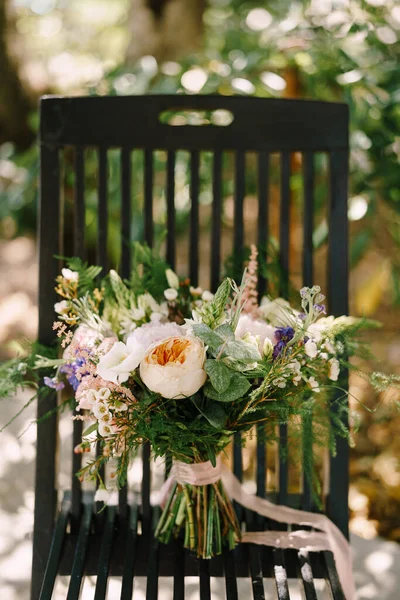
<point>329,346</point>
<point>311,349</point>
<point>120,406</point>
<point>297,379</point>
<point>172,278</point>
<point>137,314</point>
<point>103,394</point>
<point>279,382</point>
<point>105,429</point>
<point>171,294</point>
<point>70,275</point>
<point>61,307</point>
<point>314,384</point>
<point>334,369</point>
<point>100,410</point>
<point>207,296</point>
<point>195,291</point>
<point>295,366</point>
<point>101,495</point>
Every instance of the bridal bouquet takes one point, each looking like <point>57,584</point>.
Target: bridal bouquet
<point>153,359</point>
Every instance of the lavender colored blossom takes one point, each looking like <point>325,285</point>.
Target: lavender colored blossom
<point>320,308</point>
<point>283,335</point>
<point>53,383</point>
<point>70,370</point>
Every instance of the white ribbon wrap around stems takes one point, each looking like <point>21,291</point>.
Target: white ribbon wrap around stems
<point>329,537</point>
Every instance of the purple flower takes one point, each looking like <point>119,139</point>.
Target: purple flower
<point>283,335</point>
<point>320,308</point>
<point>70,370</point>
<point>53,383</point>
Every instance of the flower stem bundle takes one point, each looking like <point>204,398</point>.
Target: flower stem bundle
<point>204,515</point>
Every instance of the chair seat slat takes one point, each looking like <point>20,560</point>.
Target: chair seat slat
<point>130,555</point>
<point>204,579</point>
<point>105,555</point>
<point>306,575</point>
<point>332,576</point>
<point>152,576</point>
<point>280,574</point>
<point>80,554</point>
<point>230,575</point>
<point>179,571</point>
<point>55,552</point>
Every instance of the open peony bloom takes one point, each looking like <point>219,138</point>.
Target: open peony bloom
<point>174,367</point>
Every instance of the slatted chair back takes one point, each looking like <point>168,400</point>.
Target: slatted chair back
<point>70,127</point>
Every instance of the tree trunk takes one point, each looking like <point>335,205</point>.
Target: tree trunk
<point>14,102</point>
<point>165,29</point>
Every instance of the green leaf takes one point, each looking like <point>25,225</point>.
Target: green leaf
<point>236,389</point>
<point>241,351</point>
<point>220,375</point>
<point>90,429</point>
<point>213,412</point>
<point>207,335</point>
<point>225,331</point>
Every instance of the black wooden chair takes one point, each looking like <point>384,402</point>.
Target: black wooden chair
<point>69,537</point>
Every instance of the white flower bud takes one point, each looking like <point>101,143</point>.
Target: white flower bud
<point>101,495</point>
<point>171,294</point>
<point>268,348</point>
<point>172,278</point>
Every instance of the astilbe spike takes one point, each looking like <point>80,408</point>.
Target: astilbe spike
<point>250,293</point>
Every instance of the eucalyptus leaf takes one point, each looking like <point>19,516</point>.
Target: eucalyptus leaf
<point>236,389</point>
<point>219,374</point>
<point>207,335</point>
<point>242,351</point>
<point>213,412</point>
<point>225,331</point>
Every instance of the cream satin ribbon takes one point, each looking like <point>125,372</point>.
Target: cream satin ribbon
<point>329,537</point>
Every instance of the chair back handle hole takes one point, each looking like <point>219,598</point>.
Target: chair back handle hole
<point>197,118</point>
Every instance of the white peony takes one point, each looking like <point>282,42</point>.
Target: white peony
<point>311,348</point>
<point>277,311</point>
<point>334,369</point>
<point>70,275</point>
<point>257,327</point>
<point>174,367</point>
<point>172,278</point>
<point>120,361</point>
<point>150,333</point>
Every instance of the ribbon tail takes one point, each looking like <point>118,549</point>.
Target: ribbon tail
<point>334,539</point>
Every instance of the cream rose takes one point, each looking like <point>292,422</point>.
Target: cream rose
<point>174,367</point>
